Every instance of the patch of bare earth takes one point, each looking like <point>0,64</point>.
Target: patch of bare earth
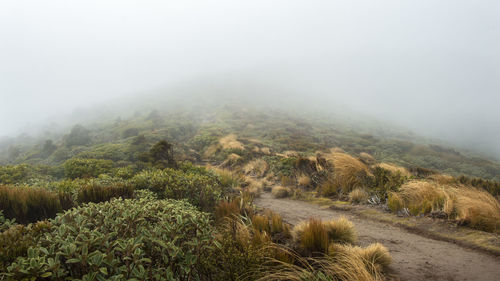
<point>415,257</point>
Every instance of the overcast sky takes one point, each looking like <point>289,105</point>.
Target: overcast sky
<point>431,65</point>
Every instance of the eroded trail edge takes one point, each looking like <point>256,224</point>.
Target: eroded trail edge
<point>414,257</point>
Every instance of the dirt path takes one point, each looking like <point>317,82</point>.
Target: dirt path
<point>415,257</point>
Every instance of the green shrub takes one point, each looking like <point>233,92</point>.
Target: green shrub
<point>26,204</point>
<point>13,174</point>
<point>121,240</point>
<point>86,168</point>
<point>15,241</point>
<point>200,189</point>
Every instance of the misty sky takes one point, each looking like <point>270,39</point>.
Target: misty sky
<point>430,65</point>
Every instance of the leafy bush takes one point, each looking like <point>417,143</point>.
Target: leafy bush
<point>27,204</point>
<point>201,189</point>
<point>15,241</point>
<point>86,168</point>
<point>121,240</point>
<point>13,174</point>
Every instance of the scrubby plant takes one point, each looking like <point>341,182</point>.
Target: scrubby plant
<point>376,256</point>
<point>121,239</point>
<point>86,168</point>
<point>17,239</point>
<point>202,189</point>
<point>280,191</point>
<point>303,180</point>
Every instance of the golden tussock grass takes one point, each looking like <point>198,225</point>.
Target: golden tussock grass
<point>395,169</point>
<point>342,266</point>
<point>420,197</point>
<point>358,196</point>
<point>291,153</point>
<point>349,172</point>
<point>315,235</point>
<point>257,167</point>
<point>303,180</point>
<point>271,223</point>
<point>228,178</point>
<point>231,142</point>
<point>375,256</point>
<point>367,158</point>
<point>471,206</point>
<point>265,150</point>
<point>442,179</point>
<point>341,231</point>
<point>281,191</point>
<point>311,236</point>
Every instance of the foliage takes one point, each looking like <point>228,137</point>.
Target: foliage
<point>121,239</point>
<point>86,168</point>
<point>17,239</point>
<point>200,189</point>
<point>79,135</point>
<point>162,155</point>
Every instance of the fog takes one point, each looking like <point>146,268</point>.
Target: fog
<point>430,66</point>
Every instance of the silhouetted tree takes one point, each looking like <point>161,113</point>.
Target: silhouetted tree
<point>162,155</point>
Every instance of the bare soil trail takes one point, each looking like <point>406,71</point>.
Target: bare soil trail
<point>414,257</point>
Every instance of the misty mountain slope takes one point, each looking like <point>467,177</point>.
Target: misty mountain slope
<point>194,123</point>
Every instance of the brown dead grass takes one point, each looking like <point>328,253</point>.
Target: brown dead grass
<point>358,196</point>
<point>231,142</point>
<point>256,167</point>
<point>281,191</point>
<point>393,168</point>
<point>467,205</point>
<point>349,172</point>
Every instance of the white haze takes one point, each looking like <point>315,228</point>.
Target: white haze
<point>431,66</point>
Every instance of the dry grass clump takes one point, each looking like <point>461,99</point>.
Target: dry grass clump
<point>311,236</point>
<point>257,167</point>
<point>281,191</point>
<point>477,208</point>
<point>228,178</point>
<point>254,186</point>
<point>420,197</point>
<point>349,172</point>
<point>442,179</point>
<point>358,196</point>
<point>226,208</point>
<point>303,180</point>
<point>265,150</point>
<point>467,205</point>
<point>232,160</point>
<point>231,142</point>
<point>367,158</point>
<point>272,223</point>
<point>376,256</point>
<point>342,266</point>
<point>315,235</point>
<point>341,231</point>
<point>291,153</point>
<point>395,169</point>
<point>26,204</point>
